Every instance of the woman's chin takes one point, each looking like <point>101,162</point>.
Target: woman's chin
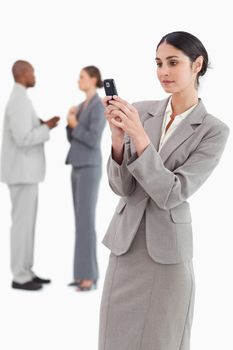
<point>169,90</point>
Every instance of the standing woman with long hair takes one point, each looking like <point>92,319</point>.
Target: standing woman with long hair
<point>84,130</point>
<point>162,152</point>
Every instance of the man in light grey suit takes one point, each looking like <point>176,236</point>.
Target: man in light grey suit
<point>22,168</point>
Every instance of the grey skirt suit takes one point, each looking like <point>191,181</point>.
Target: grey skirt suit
<point>149,289</point>
<point>86,160</point>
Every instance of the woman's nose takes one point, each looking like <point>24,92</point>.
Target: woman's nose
<point>164,71</point>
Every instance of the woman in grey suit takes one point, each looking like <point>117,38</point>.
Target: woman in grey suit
<point>84,130</point>
<point>162,152</point>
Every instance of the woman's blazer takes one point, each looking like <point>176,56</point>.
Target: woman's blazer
<point>161,183</point>
<point>85,138</point>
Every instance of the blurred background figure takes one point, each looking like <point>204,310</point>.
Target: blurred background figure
<point>84,130</point>
<point>22,168</point>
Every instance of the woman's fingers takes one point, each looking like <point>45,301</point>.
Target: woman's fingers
<point>119,112</point>
<point>73,109</point>
<point>118,115</point>
<point>118,101</point>
<point>124,102</point>
<point>106,99</point>
<point>120,106</point>
<point>117,123</point>
<point>109,110</point>
<point>126,107</point>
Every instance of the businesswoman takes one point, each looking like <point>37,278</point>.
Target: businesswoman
<point>84,130</point>
<point>162,152</point>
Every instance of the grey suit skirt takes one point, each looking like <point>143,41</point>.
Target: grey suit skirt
<point>146,305</point>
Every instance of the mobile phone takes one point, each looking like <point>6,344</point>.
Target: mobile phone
<point>110,87</point>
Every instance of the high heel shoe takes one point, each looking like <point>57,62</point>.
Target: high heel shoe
<point>93,286</point>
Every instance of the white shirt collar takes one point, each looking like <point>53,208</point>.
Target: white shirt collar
<point>20,86</point>
<point>178,119</point>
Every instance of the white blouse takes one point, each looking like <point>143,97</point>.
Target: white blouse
<point>175,123</point>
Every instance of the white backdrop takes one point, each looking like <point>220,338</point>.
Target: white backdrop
<point>59,38</point>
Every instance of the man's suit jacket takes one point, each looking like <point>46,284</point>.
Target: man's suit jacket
<point>23,159</point>
<point>161,183</point>
<point>85,139</point>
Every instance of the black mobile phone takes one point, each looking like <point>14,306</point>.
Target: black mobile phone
<point>110,87</point>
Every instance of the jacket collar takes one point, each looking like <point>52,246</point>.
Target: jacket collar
<point>90,105</point>
<point>153,126</point>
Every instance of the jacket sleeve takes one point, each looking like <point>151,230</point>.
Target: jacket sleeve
<point>121,181</point>
<point>68,133</point>
<point>168,189</point>
<point>23,131</point>
<point>91,134</point>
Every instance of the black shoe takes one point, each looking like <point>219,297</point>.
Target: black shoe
<point>31,285</point>
<point>39,280</point>
<point>74,284</point>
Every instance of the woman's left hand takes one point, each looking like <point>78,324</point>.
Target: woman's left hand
<point>130,122</point>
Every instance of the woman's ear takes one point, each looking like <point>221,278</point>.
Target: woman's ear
<point>197,64</point>
<point>94,80</point>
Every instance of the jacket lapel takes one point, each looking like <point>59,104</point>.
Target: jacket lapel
<point>88,108</point>
<point>185,129</point>
<point>153,125</point>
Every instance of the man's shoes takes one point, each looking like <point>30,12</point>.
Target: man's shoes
<point>39,280</point>
<point>31,285</point>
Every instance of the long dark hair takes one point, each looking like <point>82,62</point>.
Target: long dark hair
<point>191,47</point>
<point>94,72</point>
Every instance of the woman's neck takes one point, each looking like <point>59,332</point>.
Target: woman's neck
<point>184,100</point>
<point>90,93</point>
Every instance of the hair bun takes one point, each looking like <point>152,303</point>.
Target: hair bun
<point>100,84</point>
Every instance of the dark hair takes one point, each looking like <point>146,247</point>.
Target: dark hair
<point>94,72</point>
<point>190,45</point>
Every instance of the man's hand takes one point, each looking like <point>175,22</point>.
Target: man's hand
<point>52,123</point>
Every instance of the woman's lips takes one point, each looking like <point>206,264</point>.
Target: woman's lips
<point>167,81</point>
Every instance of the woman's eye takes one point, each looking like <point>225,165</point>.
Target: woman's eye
<point>159,64</point>
<point>173,63</point>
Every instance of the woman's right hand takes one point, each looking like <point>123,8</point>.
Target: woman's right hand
<point>117,133</point>
<point>72,111</point>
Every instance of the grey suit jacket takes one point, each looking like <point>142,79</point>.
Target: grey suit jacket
<point>22,159</point>
<point>161,183</point>
<point>85,139</point>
